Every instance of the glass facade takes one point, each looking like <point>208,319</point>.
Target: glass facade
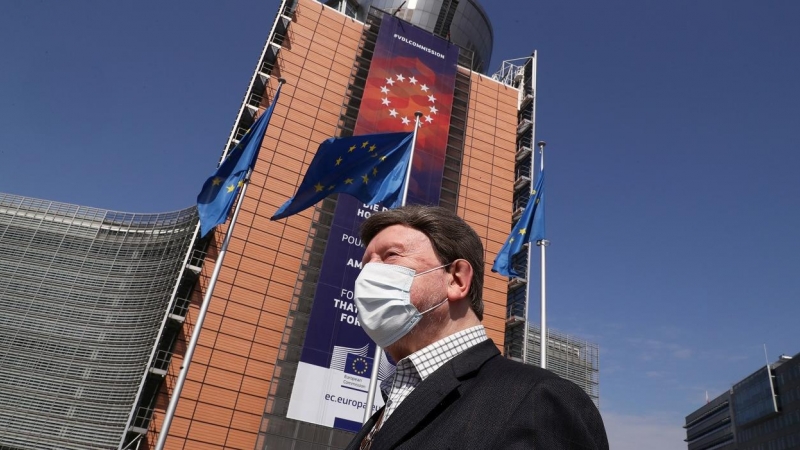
<point>83,293</point>
<point>569,357</point>
<point>748,417</point>
<point>753,398</point>
<point>463,22</point>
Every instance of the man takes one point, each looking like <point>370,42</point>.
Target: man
<point>419,297</point>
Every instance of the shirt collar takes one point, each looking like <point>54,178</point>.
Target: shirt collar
<point>427,360</point>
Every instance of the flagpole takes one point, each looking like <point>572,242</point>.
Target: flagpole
<point>543,244</point>
<point>201,316</point>
<point>187,358</point>
<point>376,358</point>
<point>417,115</point>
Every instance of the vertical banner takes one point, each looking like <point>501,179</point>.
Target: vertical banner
<point>411,70</point>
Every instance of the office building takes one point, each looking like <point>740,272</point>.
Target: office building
<point>568,356</point>
<point>83,294</point>
<point>280,357</point>
<point>760,412</point>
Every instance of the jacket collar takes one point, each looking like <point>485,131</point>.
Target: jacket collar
<point>430,397</point>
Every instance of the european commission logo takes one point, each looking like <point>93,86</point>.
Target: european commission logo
<point>357,365</point>
<point>354,361</point>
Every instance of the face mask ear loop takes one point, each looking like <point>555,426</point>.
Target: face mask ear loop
<point>432,269</point>
<point>434,307</point>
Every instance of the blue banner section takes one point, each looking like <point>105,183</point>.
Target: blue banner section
<point>344,424</point>
<point>334,320</point>
<point>411,70</point>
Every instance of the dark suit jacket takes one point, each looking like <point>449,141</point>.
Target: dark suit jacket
<point>481,400</point>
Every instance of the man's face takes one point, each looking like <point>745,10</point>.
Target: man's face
<point>405,246</point>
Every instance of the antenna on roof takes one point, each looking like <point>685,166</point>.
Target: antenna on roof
<point>399,8</point>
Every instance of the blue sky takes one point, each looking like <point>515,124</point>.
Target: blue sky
<point>672,160</point>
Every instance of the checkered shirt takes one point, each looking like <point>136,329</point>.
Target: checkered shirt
<point>416,367</point>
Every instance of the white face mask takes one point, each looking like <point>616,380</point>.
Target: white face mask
<point>382,295</point>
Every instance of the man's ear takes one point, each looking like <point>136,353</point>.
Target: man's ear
<point>460,280</point>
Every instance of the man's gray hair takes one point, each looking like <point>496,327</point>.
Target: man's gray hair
<point>451,239</point>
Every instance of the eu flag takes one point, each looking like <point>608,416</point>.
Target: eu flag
<point>219,191</point>
<point>358,365</point>
<point>529,228</point>
<point>370,167</point>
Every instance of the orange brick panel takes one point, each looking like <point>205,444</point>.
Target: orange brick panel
<point>237,328</point>
<point>310,102</point>
<point>207,433</point>
<point>258,369</point>
<point>481,139</point>
<point>172,442</point>
<point>253,267</point>
<point>240,440</point>
<point>219,396</point>
<point>255,386</point>
<point>244,303</point>
<point>328,33</point>
<point>247,421</point>
<point>178,427</point>
<point>501,223</point>
<point>191,389</point>
<point>278,290</point>
<point>261,352</point>
<point>328,117</point>
<point>286,277</point>
<point>494,326</point>
<point>493,308</point>
<point>506,118</point>
<point>268,322</point>
<point>205,412</point>
<point>483,126</point>
<point>250,403</point>
<point>492,249</point>
<point>223,378</point>
<point>342,65</point>
<point>241,314</point>
<point>227,361</point>
<point>185,408</point>
<point>232,344</point>
<point>335,98</point>
<point>291,248</point>
<point>291,160</point>
<point>313,84</point>
<point>495,283</point>
<point>503,168</point>
<point>252,282</point>
<point>201,354</point>
<point>477,181</point>
<point>208,337</point>
<point>497,236</point>
<point>507,100</point>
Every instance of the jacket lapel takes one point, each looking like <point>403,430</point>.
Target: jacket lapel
<point>432,395</point>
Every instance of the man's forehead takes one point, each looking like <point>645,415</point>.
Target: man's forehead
<point>399,237</point>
